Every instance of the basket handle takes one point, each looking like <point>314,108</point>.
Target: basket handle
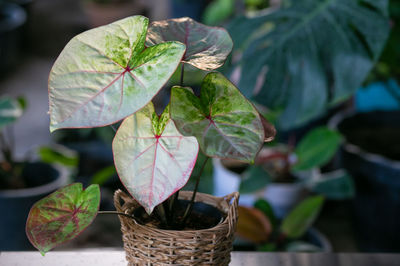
<point>232,221</point>
<point>119,196</point>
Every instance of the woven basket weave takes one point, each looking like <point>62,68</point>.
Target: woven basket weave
<point>151,246</point>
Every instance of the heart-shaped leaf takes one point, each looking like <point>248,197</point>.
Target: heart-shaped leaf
<point>62,216</point>
<point>106,74</point>
<point>224,122</point>
<point>206,47</point>
<point>152,158</point>
<point>10,110</point>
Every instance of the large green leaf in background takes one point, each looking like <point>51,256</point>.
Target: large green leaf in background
<point>62,216</point>
<point>224,122</point>
<point>302,217</point>
<point>206,47</point>
<point>10,111</point>
<point>105,74</point>
<point>152,158</point>
<point>311,55</point>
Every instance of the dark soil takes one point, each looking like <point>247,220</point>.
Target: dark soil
<point>203,216</point>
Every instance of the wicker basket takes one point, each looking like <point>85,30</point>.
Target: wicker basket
<point>151,246</point>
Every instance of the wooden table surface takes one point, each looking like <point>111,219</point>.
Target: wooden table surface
<point>114,258</point>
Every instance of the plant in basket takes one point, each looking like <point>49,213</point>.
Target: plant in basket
<point>111,73</point>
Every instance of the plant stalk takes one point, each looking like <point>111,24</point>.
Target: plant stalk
<point>182,70</point>
<point>113,128</point>
<point>189,208</point>
<point>161,213</point>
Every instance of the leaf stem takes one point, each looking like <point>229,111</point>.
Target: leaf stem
<point>113,128</point>
<point>115,212</point>
<point>189,208</point>
<point>182,71</point>
<point>161,213</point>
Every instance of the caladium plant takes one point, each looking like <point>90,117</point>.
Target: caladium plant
<point>111,73</point>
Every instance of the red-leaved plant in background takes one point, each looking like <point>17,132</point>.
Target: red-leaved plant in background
<point>112,73</point>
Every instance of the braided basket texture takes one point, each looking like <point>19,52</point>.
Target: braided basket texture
<point>146,245</point>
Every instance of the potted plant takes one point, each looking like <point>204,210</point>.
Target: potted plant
<point>284,174</point>
<point>22,182</point>
<point>259,229</point>
<point>112,73</point>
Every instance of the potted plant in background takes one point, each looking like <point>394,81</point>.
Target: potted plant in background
<point>370,152</point>
<point>22,183</point>
<point>284,175</point>
<point>259,229</point>
<point>108,74</point>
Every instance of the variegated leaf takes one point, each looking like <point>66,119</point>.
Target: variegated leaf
<point>62,216</point>
<point>152,158</point>
<point>206,47</point>
<point>224,122</point>
<point>105,74</point>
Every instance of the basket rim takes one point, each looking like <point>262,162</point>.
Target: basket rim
<point>231,200</point>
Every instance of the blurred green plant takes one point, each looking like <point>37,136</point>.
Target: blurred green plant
<point>283,163</point>
<point>10,169</point>
<point>307,56</point>
<point>260,226</point>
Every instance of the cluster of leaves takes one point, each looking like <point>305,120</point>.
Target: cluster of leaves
<point>309,55</point>
<point>313,151</point>
<point>260,226</point>
<point>112,73</point>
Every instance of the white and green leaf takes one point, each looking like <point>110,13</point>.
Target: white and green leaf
<point>152,158</point>
<point>224,122</point>
<point>106,74</point>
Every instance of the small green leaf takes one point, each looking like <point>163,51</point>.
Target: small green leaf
<point>266,208</point>
<point>218,11</point>
<point>224,122</point>
<point>103,175</point>
<point>62,216</point>
<point>206,47</point>
<point>106,74</point>
<point>152,158</point>
<point>60,155</point>
<point>302,217</point>
<point>10,111</point>
<point>254,179</point>
<point>337,185</point>
<point>316,148</point>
